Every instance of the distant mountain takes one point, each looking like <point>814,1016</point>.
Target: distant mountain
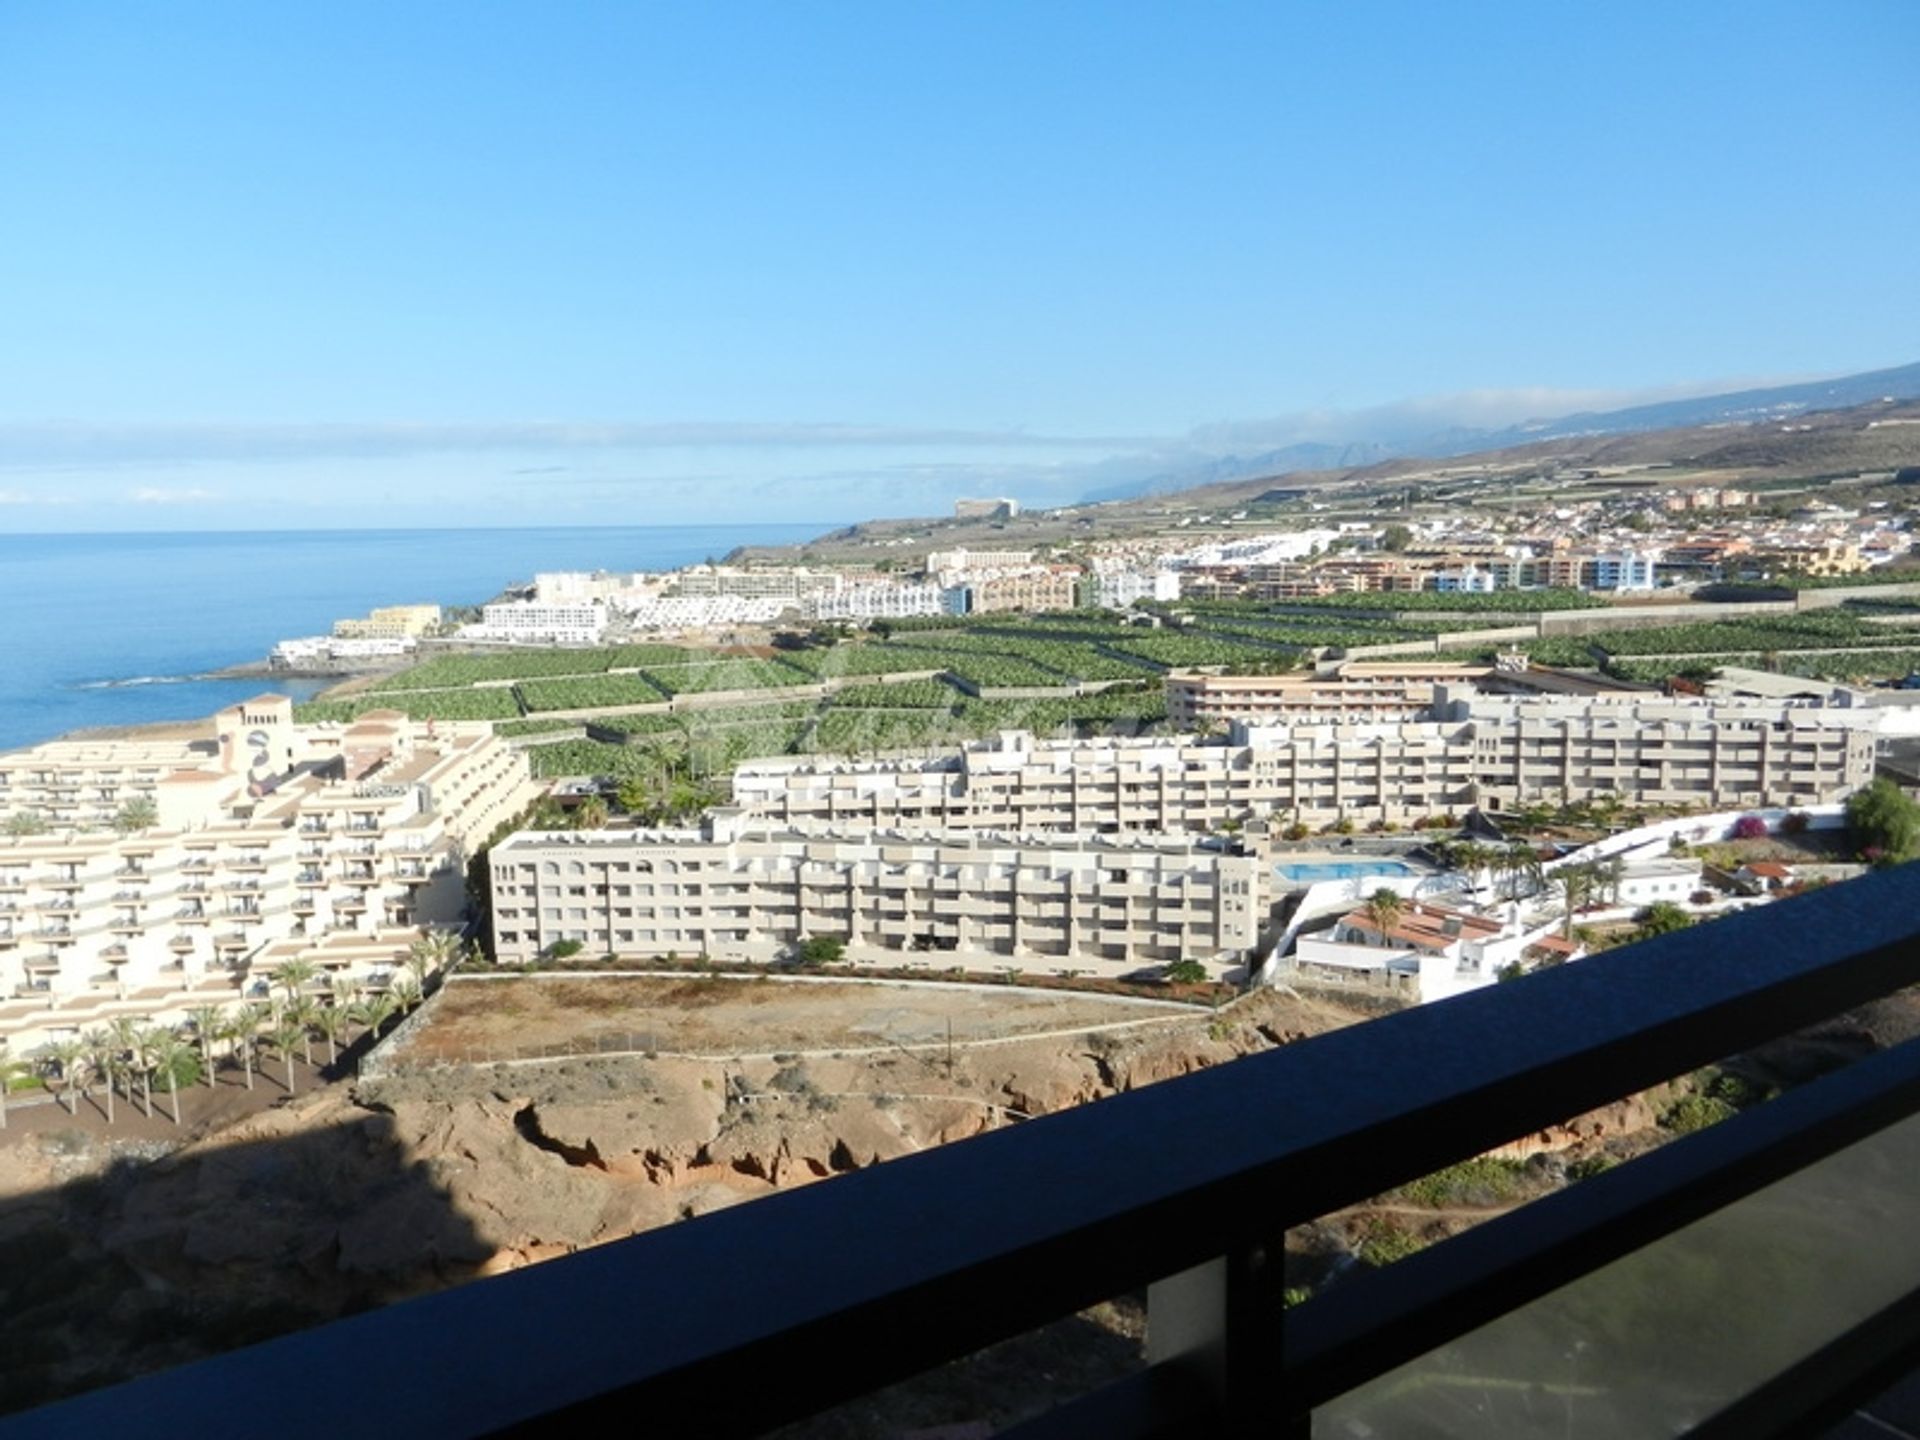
<point>1742,406</point>
<point>1773,403</point>
<point>1308,455</point>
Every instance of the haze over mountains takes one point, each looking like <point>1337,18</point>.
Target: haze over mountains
<point>1410,441</point>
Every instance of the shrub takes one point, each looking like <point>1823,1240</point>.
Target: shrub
<point>1480,1182</point>
<point>1383,1244</point>
<point>1797,822</point>
<point>823,950</point>
<point>1695,1112</point>
<point>1591,1166</point>
<point>1186,972</point>
<point>1750,827</point>
<point>561,949</point>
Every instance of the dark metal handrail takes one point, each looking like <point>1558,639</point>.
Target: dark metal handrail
<point>768,1311</point>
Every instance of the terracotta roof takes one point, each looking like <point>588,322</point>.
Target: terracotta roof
<point>1428,928</point>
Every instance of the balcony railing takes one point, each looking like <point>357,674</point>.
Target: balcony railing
<point>1187,1188</point>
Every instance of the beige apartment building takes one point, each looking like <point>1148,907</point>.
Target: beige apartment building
<point>1044,587</point>
<point>1196,698</point>
<point>741,888</point>
<point>390,622</point>
<point>270,840</point>
<point>1491,751</point>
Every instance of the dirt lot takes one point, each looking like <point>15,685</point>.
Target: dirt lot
<point>494,1019</point>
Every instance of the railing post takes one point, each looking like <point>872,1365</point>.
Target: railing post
<point>1221,1323</point>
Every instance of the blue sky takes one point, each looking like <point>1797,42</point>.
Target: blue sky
<point>370,264</point>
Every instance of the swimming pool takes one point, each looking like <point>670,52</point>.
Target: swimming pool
<point>1307,874</point>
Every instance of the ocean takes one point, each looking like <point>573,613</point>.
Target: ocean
<point>113,629</point>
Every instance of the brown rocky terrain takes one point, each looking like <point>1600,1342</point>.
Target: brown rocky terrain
<point>119,1256</point>
<point>126,1256</point>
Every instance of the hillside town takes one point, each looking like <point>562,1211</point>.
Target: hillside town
<point>1263,753</point>
<point>1634,540</point>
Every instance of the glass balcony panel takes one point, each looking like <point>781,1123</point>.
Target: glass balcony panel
<point>1664,1338</point>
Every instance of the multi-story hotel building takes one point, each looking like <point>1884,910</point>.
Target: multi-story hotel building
<point>390,622</point>
<point>534,622</point>
<point>741,888</point>
<point>876,600</point>
<point>773,582</point>
<point>263,843</point>
<point>1391,692</point>
<point>1489,751</point>
<point>1041,587</point>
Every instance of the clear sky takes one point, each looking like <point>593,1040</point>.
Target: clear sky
<point>341,263</point>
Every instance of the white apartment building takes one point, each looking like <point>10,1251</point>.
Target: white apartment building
<point>950,566</point>
<point>272,841</point>
<point>581,587</point>
<point>1118,589</point>
<point>741,888</point>
<point>674,614</point>
<point>310,650</point>
<point>879,600</point>
<point>790,583</point>
<point>1489,751</point>
<point>533,622</point>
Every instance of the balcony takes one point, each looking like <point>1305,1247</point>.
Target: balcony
<point>1186,1188</point>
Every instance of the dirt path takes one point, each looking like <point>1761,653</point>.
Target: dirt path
<point>537,1017</point>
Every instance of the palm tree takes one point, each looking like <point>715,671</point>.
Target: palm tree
<point>405,993</point>
<point>169,1054</point>
<point>139,813</point>
<point>1383,909</point>
<point>330,1021</point>
<point>1472,857</point>
<point>103,1057</point>
<point>430,954</point>
<point>243,1028</point>
<point>207,1027</point>
<point>66,1055</point>
<point>1576,884</point>
<point>147,1047</point>
<point>126,1039</point>
<point>373,1012</point>
<point>302,1012</point>
<point>1522,863</point>
<point>1612,872</point>
<point>283,1036</point>
<point>294,974</point>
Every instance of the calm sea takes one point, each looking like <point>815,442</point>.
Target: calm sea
<point>111,629</point>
